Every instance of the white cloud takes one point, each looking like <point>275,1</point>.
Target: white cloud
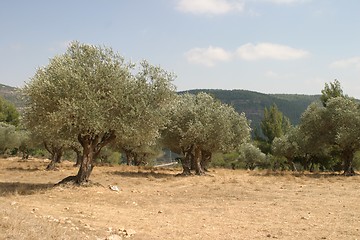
<point>216,7</point>
<point>271,74</point>
<point>285,1</point>
<point>259,51</point>
<point>347,63</point>
<point>207,56</point>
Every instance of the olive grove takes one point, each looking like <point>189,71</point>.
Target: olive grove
<point>90,94</point>
<point>328,133</point>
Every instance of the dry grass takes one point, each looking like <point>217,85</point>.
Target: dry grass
<point>154,204</point>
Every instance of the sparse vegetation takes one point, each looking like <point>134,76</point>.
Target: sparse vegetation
<point>91,102</point>
<point>152,203</point>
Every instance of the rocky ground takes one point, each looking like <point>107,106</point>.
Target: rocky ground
<point>140,203</point>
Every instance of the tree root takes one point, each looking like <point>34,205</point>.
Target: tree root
<point>349,174</point>
<point>183,174</point>
<point>71,181</point>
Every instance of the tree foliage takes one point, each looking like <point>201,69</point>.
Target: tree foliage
<point>274,123</point>
<point>149,105</point>
<point>8,113</point>
<point>251,156</point>
<point>8,137</point>
<point>331,90</point>
<point>334,126</point>
<point>199,126</point>
<point>91,94</point>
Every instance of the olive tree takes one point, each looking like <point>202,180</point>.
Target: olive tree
<point>251,156</point>
<point>151,99</point>
<point>345,115</point>
<point>334,125</point>
<point>201,125</point>
<point>87,93</point>
<point>290,146</point>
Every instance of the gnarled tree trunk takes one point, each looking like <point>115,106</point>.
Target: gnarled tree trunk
<point>79,156</point>
<point>56,154</point>
<point>205,160</point>
<point>187,159</point>
<point>348,156</point>
<point>92,145</point>
<point>197,161</point>
<point>129,157</point>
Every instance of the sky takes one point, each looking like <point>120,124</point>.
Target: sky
<point>268,46</point>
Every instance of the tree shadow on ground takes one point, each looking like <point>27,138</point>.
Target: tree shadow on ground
<point>143,174</point>
<point>300,174</point>
<point>10,188</point>
<point>21,169</point>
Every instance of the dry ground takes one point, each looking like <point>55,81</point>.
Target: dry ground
<point>154,204</point>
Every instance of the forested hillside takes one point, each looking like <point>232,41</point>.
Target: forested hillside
<point>253,103</point>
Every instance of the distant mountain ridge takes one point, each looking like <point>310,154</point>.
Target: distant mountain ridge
<point>250,102</point>
<point>253,103</point>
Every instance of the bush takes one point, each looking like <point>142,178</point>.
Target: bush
<point>223,160</point>
<point>108,156</point>
<point>115,158</point>
<point>8,138</point>
<point>251,157</point>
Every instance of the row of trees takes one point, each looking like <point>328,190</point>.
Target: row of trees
<point>327,136</point>
<point>89,98</point>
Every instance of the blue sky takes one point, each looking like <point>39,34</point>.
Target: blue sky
<point>270,46</point>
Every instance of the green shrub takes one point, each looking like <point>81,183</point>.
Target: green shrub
<point>251,157</point>
<point>115,158</point>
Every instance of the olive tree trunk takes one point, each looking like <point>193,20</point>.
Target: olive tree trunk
<point>56,155</point>
<point>92,146</point>
<point>129,157</point>
<point>205,160</point>
<point>348,156</point>
<point>197,161</point>
<point>187,159</point>
<point>79,156</point>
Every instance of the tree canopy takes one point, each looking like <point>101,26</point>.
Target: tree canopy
<point>8,112</point>
<point>201,125</point>
<point>91,94</point>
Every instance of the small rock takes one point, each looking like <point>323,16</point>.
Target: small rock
<point>114,188</point>
<point>160,211</point>
<point>13,203</point>
<point>114,237</point>
<point>34,210</point>
<point>130,232</point>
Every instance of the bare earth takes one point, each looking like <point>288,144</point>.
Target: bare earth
<point>154,204</point>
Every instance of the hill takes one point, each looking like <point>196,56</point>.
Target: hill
<point>12,94</point>
<point>254,103</point>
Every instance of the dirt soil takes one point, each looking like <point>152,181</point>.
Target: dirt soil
<point>155,204</point>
